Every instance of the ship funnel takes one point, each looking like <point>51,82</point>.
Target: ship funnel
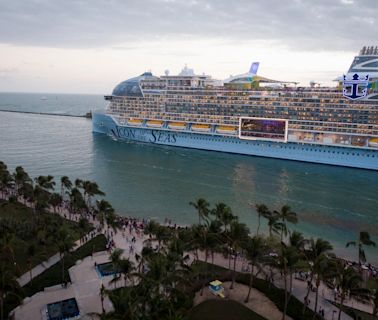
<point>254,67</point>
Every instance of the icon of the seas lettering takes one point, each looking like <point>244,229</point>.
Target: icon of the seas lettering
<point>121,132</point>
<point>162,137</point>
<point>356,87</point>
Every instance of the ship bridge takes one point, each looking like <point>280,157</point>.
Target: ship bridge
<point>366,62</point>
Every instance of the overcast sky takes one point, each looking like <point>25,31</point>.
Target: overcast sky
<point>89,46</point>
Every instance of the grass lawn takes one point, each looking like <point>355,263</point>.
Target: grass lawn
<point>219,310</point>
<point>37,229</point>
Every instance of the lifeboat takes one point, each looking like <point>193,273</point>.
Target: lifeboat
<point>177,125</point>
<point>226,129</point>
<point>373,142</point>
<point>154,123</point>
<point>134,122</point>
<point>201,127</point>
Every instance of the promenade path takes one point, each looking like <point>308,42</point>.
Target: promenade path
<point>85,283</point>
<point>122,240</point>
<point>43,266</point>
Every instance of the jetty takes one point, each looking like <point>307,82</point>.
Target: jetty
<point>87,115</point>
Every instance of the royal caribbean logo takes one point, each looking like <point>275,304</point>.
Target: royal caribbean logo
<point>355,88</point>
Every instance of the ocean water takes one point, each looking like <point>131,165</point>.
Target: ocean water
<point>142,180</point>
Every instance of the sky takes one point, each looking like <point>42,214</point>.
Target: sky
<point>82,46</point>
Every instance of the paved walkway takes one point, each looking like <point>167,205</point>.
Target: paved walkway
<point>85,288</point>
<point>122,239</point>
<point>85,282</point>
<point>38,269</point>
<point>43,266</point>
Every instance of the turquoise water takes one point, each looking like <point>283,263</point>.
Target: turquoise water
<point>153,181</point>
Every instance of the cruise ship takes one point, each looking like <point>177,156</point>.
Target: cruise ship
<point>252,115</point>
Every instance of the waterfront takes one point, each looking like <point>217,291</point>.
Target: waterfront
<point>152,181</point>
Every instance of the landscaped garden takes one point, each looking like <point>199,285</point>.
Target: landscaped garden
<point>168,272</point>
<point>33,235</point>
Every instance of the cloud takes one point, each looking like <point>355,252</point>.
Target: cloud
<point>299,24</point>
<point>6,73</point>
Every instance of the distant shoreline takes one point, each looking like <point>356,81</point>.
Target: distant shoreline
<point>47,113</point>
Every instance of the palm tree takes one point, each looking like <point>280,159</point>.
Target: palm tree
<point>162,234</point>
<point>91,189</point>
<point>55,200</point>
<point>115,258</point>
<point>32,254</point>
<point>363,240</point>
<point>200,239</point>
<point>65,244</point>
<point>27,192</point>
<point>41,198</point>
<point>348,282</point>
<point>164,283</point>
<point>77,202</point>
<point>262,210</point>
<point>141,258</point>
<point>255,250</point>
<point>125,267</point>
<point>317,255</point>
<point>223,213</point>
<point>321,270</point>
<point>215,237</point>
<point>105,212</point>
<point>103,293</point>
<point>202,207</point>
<point>287,261</point>
<point>127,304</point>
<point>297,241</point>
<point>286,215</point>
<point>8,271</point>
<point>47,183</point>
<point>3,166</point>
<point>373,286</point>
<point>237,238</point>
<point>151,228</point>
<point>274,225</point>
<point>21,177</point>
<point>78,183</point>
<point>6,179</point>
<point>65,184</point>
<point>9,285</point>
